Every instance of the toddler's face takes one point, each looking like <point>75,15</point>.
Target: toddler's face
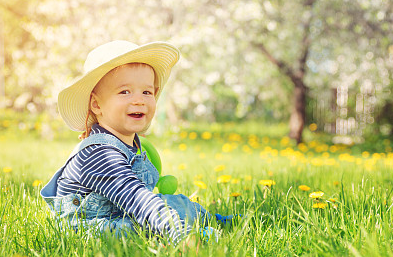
<point>123,101</point>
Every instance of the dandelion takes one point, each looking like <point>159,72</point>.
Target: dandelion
<point>194,198</point>
<point>248,178</point>
<point>235,181</point>
<point>313,126</point>
<point>270,173</point>
<point>319,205</point>
<point>224,179</point>
<point>200,184</point>
<point>192,135</point>
<point>235,137</point>
<point>235,194</point>
<point>36,183</point>
<point>226,148</point>
<point>6,123</point>
<point>247,149</point>
<point>316,195</point>
<point>182,147</point>
<point>332,200</point>
<point>219,168</point>
<point>336,183</point>
<point>183,134</point>
<point>37,126</point>
<point>302,147</point>
<point>7,169</point>
<point>182,166</point>
<point>284,141</point>
<point>206,135</point>
<point>333,148</point>
<point>267,182</point>
<point>202,155</point>
<point>304,188</point>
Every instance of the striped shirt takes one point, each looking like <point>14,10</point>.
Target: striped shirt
<point>106,171</point>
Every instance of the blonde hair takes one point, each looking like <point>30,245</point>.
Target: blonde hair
<point>87,131</point>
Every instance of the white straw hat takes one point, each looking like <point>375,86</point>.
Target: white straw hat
<point>73,101</point>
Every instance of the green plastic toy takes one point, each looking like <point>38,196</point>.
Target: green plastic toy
<point>166,184</point>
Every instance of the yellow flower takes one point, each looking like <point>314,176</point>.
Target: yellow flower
<point>336,183</point>
<point>224,179</point>
<point>36,183</point>
<point>270,173</point>
<point>206,135</point>
<point>284,141</point>
<point>182,166</point>
<point>183,134</point>
<point>219,168</point>
<point>235,137</point>
<point>235,181</point>
<point>316,195</point>
<point>200,184</point>
<point>182,147</point>
<point>319,205</point>
<point>267,182</point>
<point>202,155</point>
<point>304,188</point>
<point>235,194</point>
<point>248,178</point>
<point>194,198</point>
<point>313,126</point>
<point>192,135</point>
<point>302,147</point>
<point>7,169</point>
<point>6,123</point>
<point>226,148</point>
<point>333,200</point>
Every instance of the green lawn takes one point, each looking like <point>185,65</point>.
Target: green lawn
<point>237,166</point>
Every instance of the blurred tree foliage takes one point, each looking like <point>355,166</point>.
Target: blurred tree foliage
<point>241,59</point>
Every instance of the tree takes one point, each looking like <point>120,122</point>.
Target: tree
<point>296,72</point>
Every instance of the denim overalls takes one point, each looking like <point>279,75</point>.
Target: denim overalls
<point>96,212</point>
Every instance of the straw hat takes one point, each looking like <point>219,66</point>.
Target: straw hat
<point>73,101</point>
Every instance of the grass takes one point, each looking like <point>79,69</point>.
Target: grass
<point>279,220</point>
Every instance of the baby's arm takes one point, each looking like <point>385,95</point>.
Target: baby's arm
<point>107,172</point>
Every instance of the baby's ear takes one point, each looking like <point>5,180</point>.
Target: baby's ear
<point>156,89</point>
<point>94,106</point>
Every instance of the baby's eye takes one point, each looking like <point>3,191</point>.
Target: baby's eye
<point>147,92</point>
<point>125,92</point>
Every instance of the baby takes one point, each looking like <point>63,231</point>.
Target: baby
<point>105,184</point>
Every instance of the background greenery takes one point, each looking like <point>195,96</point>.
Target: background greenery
<point>241,59</point>
<point>234,163</point>
<point>223,121</point>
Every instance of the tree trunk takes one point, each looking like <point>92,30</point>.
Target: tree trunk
<point>298,112</point>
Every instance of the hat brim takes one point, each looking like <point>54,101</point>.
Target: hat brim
<point>73,101</point>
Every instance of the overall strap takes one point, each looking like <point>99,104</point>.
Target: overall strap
<point>50,189</point>
<point>102,138</point>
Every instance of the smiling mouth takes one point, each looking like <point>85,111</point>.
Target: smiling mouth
<point>136,115</point>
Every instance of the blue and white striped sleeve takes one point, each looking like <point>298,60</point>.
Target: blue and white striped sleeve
<point>107,172</point>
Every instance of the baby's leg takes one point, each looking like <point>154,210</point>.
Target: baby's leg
<point>187,209</point>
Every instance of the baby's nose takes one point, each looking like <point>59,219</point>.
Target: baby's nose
<point>137,99</point>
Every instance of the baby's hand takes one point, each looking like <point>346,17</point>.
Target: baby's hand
<point>209,232</point>
<point>226,219</point>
